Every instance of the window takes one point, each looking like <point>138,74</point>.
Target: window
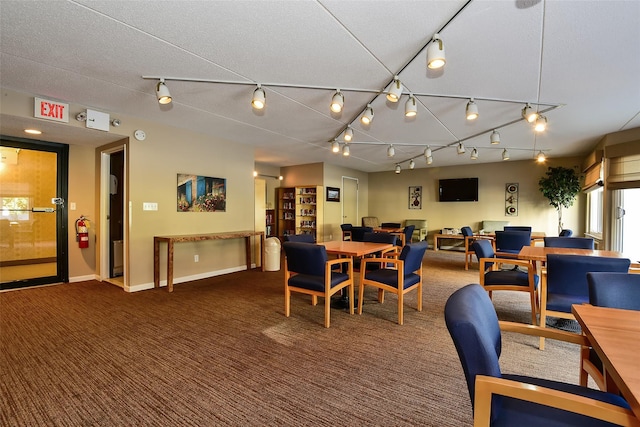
<point>15,208</point>
<point>594,212</point>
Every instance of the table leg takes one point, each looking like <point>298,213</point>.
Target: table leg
<point>156,263</point>
<point>262,251</point>
<point>170,265</point>
<point>435,243</point>
<point>247,250</point>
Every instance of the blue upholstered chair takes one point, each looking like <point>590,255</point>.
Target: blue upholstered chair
<point>408,233</point>
<point>346,231</point>
<point>301,238</point>
<point>569,242</point>
<point>308,270</point>
<point>565,283</point>
<point>492,278</point>
<point>400,275</point>
<point>376,238</point>
<point>508,400</point>
<point>566,232</point>
<point>509,243</point>
<point>615,290</point>
<point>517,228</point>
<point>357,233</point>
<point>469,238</point>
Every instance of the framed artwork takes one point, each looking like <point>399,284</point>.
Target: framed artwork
<point>201,193</point>
<point>511,199</point>
<point>415,197</point>
<point>333,194</point>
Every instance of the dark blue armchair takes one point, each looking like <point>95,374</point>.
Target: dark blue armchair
<point>509,243</point>
<point>400,275</point>
<point>517,228</point>
<point>615,290</point>
<point>569,242</point>
<point>566,232</point>
<point>492,278</point>
<point>301,238</point>
<point>357,233</point>
<point>308,270</point>
<point>565,283</point>
<point>508,400</point>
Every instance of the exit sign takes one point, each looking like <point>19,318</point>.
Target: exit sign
<point>51,110</point>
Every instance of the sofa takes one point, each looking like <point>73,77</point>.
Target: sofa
<point>420,232</point>
<point>491,226</point>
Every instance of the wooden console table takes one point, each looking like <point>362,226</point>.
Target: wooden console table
<point>436,245</point>
<point>171,240</point>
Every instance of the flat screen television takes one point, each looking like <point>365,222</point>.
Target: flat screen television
<point>458,190</point>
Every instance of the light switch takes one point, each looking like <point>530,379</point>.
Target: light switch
<point>72,206</point>
<point>149,206</point>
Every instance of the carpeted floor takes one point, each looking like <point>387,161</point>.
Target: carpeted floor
<point>219,352</point>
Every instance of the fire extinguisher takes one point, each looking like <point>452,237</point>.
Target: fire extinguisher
<point>82,232</point>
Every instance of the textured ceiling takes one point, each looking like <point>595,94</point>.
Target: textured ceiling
<point>580,56</point>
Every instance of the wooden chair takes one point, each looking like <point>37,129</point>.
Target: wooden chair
<point>346,231</point>
<point>565,283</point>
<point>509,243</point>
<point>615,290</point>
<point>469,238</point>
<point>500,399</point>
<point>493,278</point>
<point>308,270</point>
<point>400,275</point>
<point>569,242</point>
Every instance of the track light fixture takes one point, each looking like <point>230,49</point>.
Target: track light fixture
<point>495,137</point>
<point>529,114</point>
<point>412,164</point>
<point>367,116</point>
<point>541,157</point>
<point>429,160</point>
<point>258,100</point>
<point>391,151</point>
<point>398,168</point>
<point>461,149</point>
<point>395,91</point>
<point>410,107</point>
<point>335,146</point>
<point>541,123</point>
<point>348,134</point>
<point>346,151</point>
<point>162,92</point>
<point>472,110</point>
<point>255,174</point>
<point>337,102</point>
<point>427,151</point>
<point>435,53</point>
<point>474,154</point>
<point>505,154</point>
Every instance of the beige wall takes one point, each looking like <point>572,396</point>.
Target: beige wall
<point>389,202</point>
<point>333,211</point>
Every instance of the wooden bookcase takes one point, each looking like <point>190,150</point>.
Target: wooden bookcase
<point>270,222</point>
<point>300,211</point>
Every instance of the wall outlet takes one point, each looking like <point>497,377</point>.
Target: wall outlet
<point>196,258</point>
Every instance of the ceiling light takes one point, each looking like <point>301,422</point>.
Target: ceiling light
<point>395,91</point>
<point>472,110</point>
<point>461,149</point>
<point>495,137</point>
<point>429,160</point>
<point>335,146</point>
<point>398,168</point>
<point>259,99</point>
<point>410,107</point>
<point>348,134</point>
<point>346,150</point>
<point>162,92</point>
<point>427,151</point>
<point>435,53</point>
<point>541,123</point>
<point>391,151</point>
<point>255,173</point>
<point>474,154</point>
<point>281,177</point>
<point>529,114</point>
<point>412,164</point>
<point>367,117</point>
<point>505,154</point>
<point>541,157</point>
<point>337,102</point>
<point>33,131</point>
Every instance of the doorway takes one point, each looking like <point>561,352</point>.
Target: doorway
<point>350,201</point>
<point>33,220</point>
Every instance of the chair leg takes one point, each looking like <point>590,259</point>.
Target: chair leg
<point>419,296</point>
<point>400,307</point>
<point>314,300</point>
<point>351,295</point>
<point>327,310</point>
<point>584,377</point>
<point>534,317</point>
<point>360,297</point>
<point>287,302</point>
<point>380,296</point>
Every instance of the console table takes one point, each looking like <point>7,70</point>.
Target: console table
<point>171,240</point>
<point>437,237</point>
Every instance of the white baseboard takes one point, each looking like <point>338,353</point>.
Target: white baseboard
<point>177,280</point>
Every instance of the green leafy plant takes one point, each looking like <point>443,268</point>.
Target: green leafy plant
<point>561,186</point>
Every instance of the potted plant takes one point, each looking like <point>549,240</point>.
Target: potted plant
<point>561,186</point>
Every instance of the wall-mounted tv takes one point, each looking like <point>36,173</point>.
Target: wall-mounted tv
<point>458,190</point>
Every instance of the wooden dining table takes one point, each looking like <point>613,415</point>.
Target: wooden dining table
<point>539,253</point>
<point>614,334</point>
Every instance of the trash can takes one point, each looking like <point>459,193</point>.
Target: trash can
<point>272,254</point>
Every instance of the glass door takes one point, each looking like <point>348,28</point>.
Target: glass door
<point>33,233</point>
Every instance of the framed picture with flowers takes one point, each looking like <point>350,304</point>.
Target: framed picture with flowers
<point>198,193</point>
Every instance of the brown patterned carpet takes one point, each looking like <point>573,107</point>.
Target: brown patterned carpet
<point>219,352</point>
